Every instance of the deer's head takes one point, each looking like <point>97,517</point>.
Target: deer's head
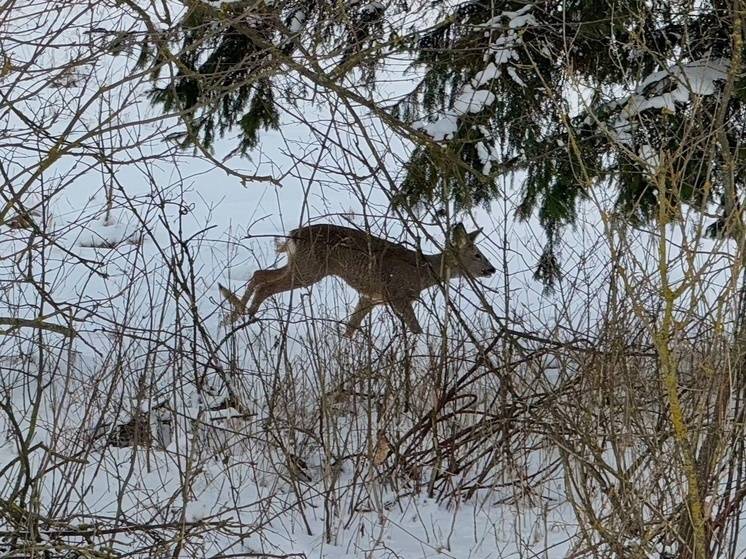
<point>469,257</point>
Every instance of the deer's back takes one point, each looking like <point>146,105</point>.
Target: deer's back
<point>369,264</point>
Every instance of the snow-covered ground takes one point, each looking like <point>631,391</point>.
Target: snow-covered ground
<point>136,421</point>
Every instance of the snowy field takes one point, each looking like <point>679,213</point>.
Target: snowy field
<point>137,422</point>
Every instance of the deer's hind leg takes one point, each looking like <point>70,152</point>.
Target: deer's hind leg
<point>271,282</point>
<point>263,284</point>
<point>238,306</point>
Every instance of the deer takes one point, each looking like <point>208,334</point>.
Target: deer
<point>381,271</point>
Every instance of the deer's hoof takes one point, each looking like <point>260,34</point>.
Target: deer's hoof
<point>350,331</point>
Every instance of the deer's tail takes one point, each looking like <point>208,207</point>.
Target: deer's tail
<point>285,244</point>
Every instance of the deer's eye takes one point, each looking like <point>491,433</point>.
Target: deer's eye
<point>478,256</point>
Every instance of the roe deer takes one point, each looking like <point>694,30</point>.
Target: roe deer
<point>379,270</point>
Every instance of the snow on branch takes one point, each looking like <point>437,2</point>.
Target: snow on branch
<point>501,52</point>
<point>666,91</point>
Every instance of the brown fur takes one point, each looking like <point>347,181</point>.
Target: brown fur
<point>379,270</point>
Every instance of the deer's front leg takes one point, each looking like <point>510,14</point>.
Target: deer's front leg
<point>404,309</point>
<point>364,306</point>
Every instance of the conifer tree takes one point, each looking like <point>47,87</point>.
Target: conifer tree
<point>645,98</point>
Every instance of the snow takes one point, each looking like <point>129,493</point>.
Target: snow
<point>483,152</point>
<point>516,78</point>
<point>485,76</point>
<point>297,21</point>
<point>522,21</point>
<point>650,156</point>
<point>698,77</point>
<point>473,101</point>
<point>218,4</point>
<point>442,129</point>
<point>517,19</point>
<point>667,91</point>
<point>133,258</point>
<point>502,51</point>
<point>517,14</point>
<point>469,101</point>
<point>373,7</point>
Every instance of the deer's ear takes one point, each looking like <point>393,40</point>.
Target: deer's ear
<point>459,235</point>
<point>474,234</point>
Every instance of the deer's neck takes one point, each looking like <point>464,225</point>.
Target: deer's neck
<point>441,267</point>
